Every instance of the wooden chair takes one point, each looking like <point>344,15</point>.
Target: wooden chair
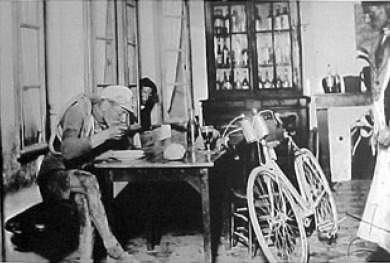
<point>241,231</point>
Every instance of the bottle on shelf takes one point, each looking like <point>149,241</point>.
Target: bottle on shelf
<point>237,56</point>
<point>284,18</point>
<point>234,17</point>
<point>286,82</point>
<point>269,19</point>
<point>245,57</point>
<point>231,80</point>
<point>278,18</point>
<point>221,80</point>
<point>338,83</point>
<point>192,128</point>
<point>232,58</point>
<point>278,55</point>
<point>219,55</point>
<point>279,82</point>
<point>264,55</point>
<point>258,20</point>
<point>260,80</point>
<point>227,22</point>
<point>238,84</point>
<point>270,55</point>
<point>329,82</point>
<point>226,60</point>
<point>226,81</point>
<point>217,21</point>
<point>245,84</point>
<point>268,83</point>
<point>217,81</point>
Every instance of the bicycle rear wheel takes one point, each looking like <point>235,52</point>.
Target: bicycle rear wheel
<point>314,186</point>
<point>275,218</point>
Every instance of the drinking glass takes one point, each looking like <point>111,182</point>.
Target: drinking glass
<point>207,133</point>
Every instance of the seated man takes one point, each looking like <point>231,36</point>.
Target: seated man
<point>87,127</point>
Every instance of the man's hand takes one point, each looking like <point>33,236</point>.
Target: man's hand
<point>384,137</point>
<point>115,132</point>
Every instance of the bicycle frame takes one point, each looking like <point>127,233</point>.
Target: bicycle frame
<point>269,162</point>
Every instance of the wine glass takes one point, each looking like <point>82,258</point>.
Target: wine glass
<point>207,133</point>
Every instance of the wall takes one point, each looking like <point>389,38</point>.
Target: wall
<point>328,36</point>
<point>8,116</point>
<point>65,51</point>
<point>198,44</point>
<point>149,52</point>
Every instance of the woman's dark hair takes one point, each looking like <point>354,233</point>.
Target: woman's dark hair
<point>153,99</point>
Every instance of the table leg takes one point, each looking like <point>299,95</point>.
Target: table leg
<point>205,196</point>
<point>107,188</point>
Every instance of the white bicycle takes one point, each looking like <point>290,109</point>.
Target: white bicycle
<point>282,215</point>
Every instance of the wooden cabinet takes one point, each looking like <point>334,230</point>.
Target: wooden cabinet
<point>254,61</point>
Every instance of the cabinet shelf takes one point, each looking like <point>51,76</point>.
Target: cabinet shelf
<point>239,32</point>
<point>222,35</point>
<point>268,65</point>
<point>274,31</point>
<point>223,67</point>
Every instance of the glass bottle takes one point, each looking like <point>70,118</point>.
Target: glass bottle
<point>217,81</point>
<point>234,21</point>
<point>225,55</point>
<point>219,55</point>
<point>285,83</point>
<point>278,54</point>
<point>230,81</point>
<point>238,84</point>
<point>278,18</point>
<point>227,22</point>
<point>329,81</point>
<point>258,20</point>
<point>217,21</point>
<point>226,81</point>
<point>285,22</point>
<point>269,18</point>
<point>245,84</point>
<point>192,128</point>
<point>268,83</point>
<point>261,83</point>
<point>245,57</point>
<point>279,82</point>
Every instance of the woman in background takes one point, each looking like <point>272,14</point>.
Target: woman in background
<point>148,98</point>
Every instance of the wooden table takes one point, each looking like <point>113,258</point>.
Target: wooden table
<point>194,169</point>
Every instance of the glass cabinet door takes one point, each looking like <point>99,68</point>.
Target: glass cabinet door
<point>231,52</point>
<point>255,48</point>
<point>273,33</point>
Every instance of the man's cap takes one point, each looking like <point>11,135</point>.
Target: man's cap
<point>119,94</point>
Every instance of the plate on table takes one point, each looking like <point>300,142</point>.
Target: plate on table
<point>123,154</point>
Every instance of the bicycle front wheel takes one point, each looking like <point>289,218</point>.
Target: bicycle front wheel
<point>275,218</point>
<point>314,186</point>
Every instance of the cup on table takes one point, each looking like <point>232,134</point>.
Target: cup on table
<point>207,133</point>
